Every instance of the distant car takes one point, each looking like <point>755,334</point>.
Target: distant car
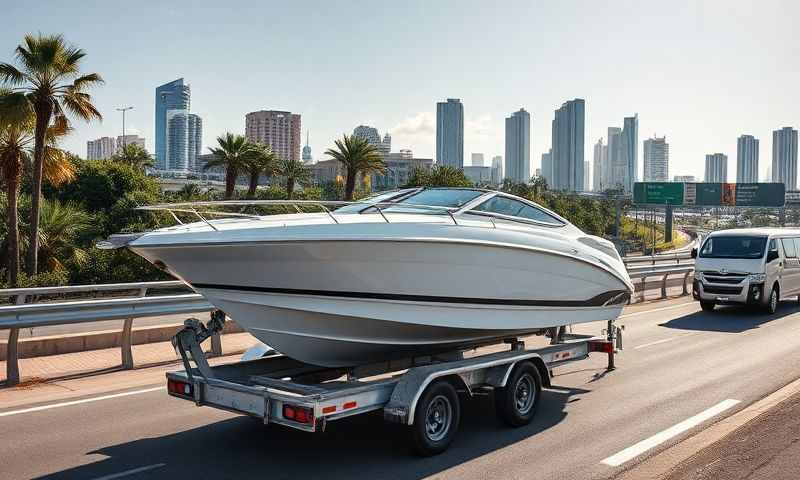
<point>754,266</point>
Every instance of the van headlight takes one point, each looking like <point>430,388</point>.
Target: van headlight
<point>698,276</point>
<point>756,277</point>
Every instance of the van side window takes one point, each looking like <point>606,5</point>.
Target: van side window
<point>788,247</point>
<point>797,245</point>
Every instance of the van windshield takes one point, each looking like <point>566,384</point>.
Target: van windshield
<point>726,246</point>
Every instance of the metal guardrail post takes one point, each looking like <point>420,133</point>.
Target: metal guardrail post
<point>644,286</point>
<point>685,278</point>
<point>664,286</point>
<point>12,351</point>
<point>126,343</point>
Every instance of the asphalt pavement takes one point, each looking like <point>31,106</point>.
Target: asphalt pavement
<point>681,369</point>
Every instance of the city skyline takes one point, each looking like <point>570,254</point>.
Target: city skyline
<point>689,96</point>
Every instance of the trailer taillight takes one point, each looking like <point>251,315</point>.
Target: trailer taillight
<point>603,346</point>
<point>180,388</point>
<point>298,414</point>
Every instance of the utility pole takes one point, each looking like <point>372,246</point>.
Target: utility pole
<point>123,110</point>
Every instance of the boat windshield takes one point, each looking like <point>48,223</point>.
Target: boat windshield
<point>372,199</point>
<point>728,246</point>
<point>439,197</point>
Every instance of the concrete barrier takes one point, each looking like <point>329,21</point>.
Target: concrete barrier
<point>81,342</point>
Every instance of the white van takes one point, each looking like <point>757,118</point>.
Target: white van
<point>753,266</point>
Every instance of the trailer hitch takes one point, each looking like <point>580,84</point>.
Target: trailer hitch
<point>187,342</point>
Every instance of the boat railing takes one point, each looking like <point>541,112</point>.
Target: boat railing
<point>203,210</point>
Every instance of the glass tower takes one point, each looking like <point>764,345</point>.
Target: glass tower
<point>176,96</point>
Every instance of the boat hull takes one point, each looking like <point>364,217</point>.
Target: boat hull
<point>341,302</point>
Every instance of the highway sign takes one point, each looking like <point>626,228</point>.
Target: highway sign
<point>709,194</point>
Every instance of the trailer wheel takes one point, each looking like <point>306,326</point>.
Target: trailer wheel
<point>436,419</point>
<point>516,402</point>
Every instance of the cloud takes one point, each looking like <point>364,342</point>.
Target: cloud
<point>423,123</point>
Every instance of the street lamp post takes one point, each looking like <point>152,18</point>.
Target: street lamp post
<point>123,110</point>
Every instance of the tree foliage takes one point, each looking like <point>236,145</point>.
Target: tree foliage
<point>439,176</point>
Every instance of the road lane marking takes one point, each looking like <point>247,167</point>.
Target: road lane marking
<point>78,402</point>
<point>671,307</point>
<point>635,450</point>
<point>132,471</point>
<point>665,340</point>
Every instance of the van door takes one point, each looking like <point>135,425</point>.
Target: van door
<point>790,278</point>
<point>773,268</point>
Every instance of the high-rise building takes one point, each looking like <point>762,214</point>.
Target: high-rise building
<point>477,159</point>
<point>747,159</point>
<point>130,140</point>
<point>684,179</point>
<point>277,129</point>
<point>371,135</point>
<point>307,158</point>
<point>100,149</point>
<point>587,183</point>
<point>784,157</point>
<point>194,145</point>
<point>716,168</point>
<point>450,133</point>
<point>630,152</point>
<point>177,140</point>
<point>568,141</point>
<point>479,175</point>
<point>386,145</point>
<point>547,167</point>
<point>172,96</point>
<point>599,161</point>
<point>518,146</point>
<point>615,163</point>
<point>497,169</point>
<point>656,160</point>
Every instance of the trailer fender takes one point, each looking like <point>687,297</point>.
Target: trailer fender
<point>498,376</point>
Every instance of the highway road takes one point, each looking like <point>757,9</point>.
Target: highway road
<point>681,369</point>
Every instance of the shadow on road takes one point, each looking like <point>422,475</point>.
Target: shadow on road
<point>361,447</point>
<point>730,319</point>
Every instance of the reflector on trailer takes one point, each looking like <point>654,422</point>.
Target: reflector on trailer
<point>603,346</point>
<point>349,405</point>
<point>329,409</point>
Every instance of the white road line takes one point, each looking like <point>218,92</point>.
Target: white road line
<point>671,307</point>
<point>78,402</point>
<point>131,472</point>
<point>635,450</point>
<point>665,340</point>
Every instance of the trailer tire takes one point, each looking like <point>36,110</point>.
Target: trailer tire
<point>436,419</point>
<point>516,402</point>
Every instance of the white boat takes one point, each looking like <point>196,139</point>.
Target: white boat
<point>402,273</point>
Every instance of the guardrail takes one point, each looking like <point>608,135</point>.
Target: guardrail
<point>644,273</point>
<point>24,314</point>
<point>662,257</point>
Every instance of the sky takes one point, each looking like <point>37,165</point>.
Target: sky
<point>699,72</point>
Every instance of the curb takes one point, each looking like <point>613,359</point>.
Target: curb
<point>664,462</point>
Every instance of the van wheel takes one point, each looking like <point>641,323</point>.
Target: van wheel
<point>772,302</point>
<point>707,306</point>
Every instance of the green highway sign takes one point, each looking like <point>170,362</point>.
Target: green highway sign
<point>709,194</point>
<point>658,193</point>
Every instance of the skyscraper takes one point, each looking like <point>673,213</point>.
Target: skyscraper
<point>716,168</point>
<point>450,133</point>
<point>497,169</point>
<point>656,160</point>
<point>747,159</point>
<point>598,182</point>
<point>630,152</point>
<point>518,146</point>
<point>130,140</point>
<point>386,145</point>
<point>277,129</point>
<point>587,183</point>
<point>784,157</point>
<point>547,167</point>
<point>371,135</point>
<point>175,95</point>
<point>307,158</point>
<point>100,149</point>
<point>177,140</point>
<point>568,141</point>
<point>194,141</point>
<point>477,159</point>
<point>615,165</point>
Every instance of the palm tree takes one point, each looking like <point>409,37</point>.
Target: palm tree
<point>294,172</point>
<point>263,161</point>
<point>63,226</point>
<point>133,155</point>
<point>358,156</point>
<point>51,81</point>
<point>233,154</point>
<point>17,123</point>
